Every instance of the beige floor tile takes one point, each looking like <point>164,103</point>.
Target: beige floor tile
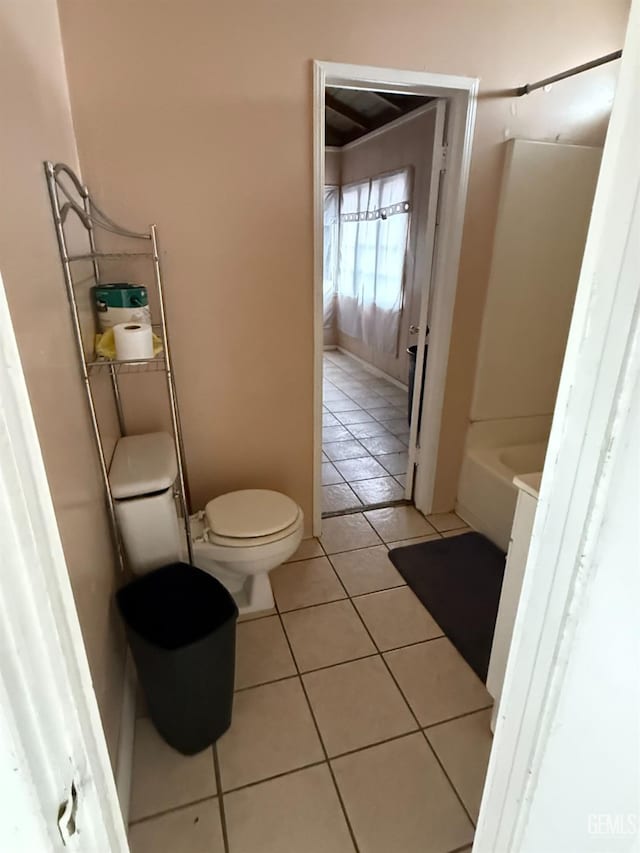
<point>364,468</point>
<point>398,522</point>
<point>379,490</point>
<point>444,521</point>
<point>256,614</point>
<point>333,394</point>
<point>338,498</point>
<point>366,570</point>
<point>357,704</point>
<point>382,444</point>
<point>402,543</point>
<point>347,533</point>
<point>327,634</point>
<point>336,406</point>
<point>368,430</point>
<point>329,420</point>
<point>394,463</point>
<point>262,652</point>
<point>163,778</point>
<point>194,829</point>
<point>307,549</point>
<point>463,747</point>
<point>336,433</point>
<point>359,417</point>
<point>330,474</point>
<point>397,426</point>
<point>396,617</point>
<point>304,583</point>
<point>449,533</point>
<point>344,450</point>
<point>437,682</point>
<point>366,399</point>
<point>385,412</point>
<point>297,813</point>
<point>398,799</point>
<point>272,732</point>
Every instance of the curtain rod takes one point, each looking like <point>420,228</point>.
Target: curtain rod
<point>602,60</point>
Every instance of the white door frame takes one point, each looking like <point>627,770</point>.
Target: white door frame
<point>461,93</point>
<point>51,734</point>
<point>601,368</point>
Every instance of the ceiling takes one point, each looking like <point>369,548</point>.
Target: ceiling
<point>352,113</point>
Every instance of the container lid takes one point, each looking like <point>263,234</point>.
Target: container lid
<point>250,513</point>
<point>142,465</point>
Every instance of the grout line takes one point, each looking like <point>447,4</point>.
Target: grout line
<point>322,745</point>
<point>375,743</point>
<point>173,809</point>
<point>448,778</point>
<point>223,817</point>
<point>317,604</point>
<point>249,618</point>
<point>275,776</point>
<point>457,717</point>
<point>454,789</point>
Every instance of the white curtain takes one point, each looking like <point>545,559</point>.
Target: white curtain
<point>330,269</point>
<point>374,227</point>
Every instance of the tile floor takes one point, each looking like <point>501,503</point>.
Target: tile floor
<point>365,435</point>
<point>357,726</point>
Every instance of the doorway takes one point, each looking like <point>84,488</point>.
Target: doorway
<point>381,169</point>
<point>363,403</point>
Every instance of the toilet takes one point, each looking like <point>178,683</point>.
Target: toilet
<point>238,538</point>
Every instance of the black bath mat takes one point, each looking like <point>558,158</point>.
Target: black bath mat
<point>458,580</point>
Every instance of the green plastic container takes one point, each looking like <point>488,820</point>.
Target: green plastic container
<point>121,303</point>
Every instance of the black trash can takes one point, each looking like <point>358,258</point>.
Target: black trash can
<point>413,355</point>
<point>181,626</point>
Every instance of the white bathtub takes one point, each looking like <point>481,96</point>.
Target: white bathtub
<point>486,494</point>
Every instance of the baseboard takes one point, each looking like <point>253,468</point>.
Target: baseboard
<point>329,347</point>
<point>124,761</point>
<point>375,370</point>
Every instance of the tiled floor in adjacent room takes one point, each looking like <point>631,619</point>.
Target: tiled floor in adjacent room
<point>357,726</point>
<point>365,434</point>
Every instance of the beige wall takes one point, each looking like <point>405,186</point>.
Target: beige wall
<point>198,115</point>
<point>407,144</point>
<point>36,125</point>
<point>545,207</point>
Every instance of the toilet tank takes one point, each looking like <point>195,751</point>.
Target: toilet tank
<point>141,475</point>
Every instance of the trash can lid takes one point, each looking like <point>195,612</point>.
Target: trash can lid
<point>250,513</point>
<point>142,465</point>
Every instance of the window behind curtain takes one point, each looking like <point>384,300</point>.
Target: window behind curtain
<point>374,227</point>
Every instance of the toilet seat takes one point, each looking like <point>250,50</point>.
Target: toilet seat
<point>250,517</point>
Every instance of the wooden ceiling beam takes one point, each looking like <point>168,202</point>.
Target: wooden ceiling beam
<point>388,101</point>
<point>347,112</point>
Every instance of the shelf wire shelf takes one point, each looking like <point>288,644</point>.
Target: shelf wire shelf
<point>158,364</point>
<point>69,197</point>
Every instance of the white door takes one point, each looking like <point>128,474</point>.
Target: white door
<point>58,791</point>
<point>430,237</point>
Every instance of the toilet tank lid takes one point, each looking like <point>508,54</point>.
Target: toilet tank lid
<point>142,465</point>
<point>250,513</point>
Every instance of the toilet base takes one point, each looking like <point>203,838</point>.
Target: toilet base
<point>256,595</point>
<point>251,593</point>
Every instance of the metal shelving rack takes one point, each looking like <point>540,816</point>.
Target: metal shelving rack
<point>69,197</point>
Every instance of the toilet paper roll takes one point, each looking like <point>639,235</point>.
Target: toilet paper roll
<point>133,340</point>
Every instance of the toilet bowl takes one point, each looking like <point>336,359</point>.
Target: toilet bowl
<point>238,538</point>
<point>241,536</point>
